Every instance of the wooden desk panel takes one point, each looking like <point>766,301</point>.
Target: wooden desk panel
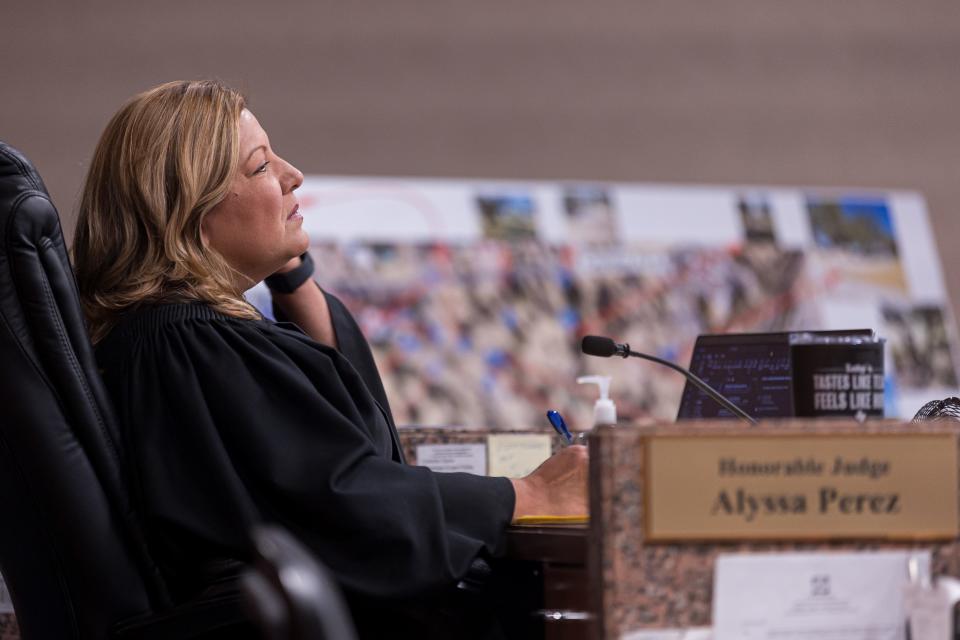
<point>558,557</point>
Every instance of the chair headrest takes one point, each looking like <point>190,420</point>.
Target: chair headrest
<point>17,174</point>
<point>40,305</point>
<point>28,220</point>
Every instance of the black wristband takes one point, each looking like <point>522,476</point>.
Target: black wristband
<point>291,280</point>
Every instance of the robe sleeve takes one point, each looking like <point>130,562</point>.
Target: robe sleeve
<point>351,343</point>
<point>354,346</point>
<point>234,422</point>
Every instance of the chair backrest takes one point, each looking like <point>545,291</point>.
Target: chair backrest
<point>70,550</point>
<point>290,594</point>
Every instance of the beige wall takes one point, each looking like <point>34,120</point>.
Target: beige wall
<point>819,92</point>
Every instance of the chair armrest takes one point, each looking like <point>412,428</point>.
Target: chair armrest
<point>206,618</point>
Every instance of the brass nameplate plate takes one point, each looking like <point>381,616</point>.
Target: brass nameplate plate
<point>809,486</point>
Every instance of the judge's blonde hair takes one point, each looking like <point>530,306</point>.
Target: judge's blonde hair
<point>164,161</point>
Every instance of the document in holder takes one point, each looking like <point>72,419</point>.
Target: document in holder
<point>468,458</point>
<point>828,596</point>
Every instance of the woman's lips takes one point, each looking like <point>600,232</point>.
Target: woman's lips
<point>295,213</point>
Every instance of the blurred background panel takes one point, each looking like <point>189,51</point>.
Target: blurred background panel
<point>859,93</point>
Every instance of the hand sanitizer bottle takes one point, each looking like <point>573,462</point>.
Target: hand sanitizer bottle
<point>604,411</point>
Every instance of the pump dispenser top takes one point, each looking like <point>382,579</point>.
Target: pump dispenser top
<point>604,411</point>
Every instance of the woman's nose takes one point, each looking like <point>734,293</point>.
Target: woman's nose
<point>293,177</point>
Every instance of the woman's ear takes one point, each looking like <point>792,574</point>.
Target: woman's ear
<point>204,236</point>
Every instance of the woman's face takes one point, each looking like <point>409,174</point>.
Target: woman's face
<point>257,228</point>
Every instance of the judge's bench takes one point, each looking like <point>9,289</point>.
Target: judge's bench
<point>667,499</point>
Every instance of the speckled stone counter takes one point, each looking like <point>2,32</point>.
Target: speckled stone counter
<point>638,584</point>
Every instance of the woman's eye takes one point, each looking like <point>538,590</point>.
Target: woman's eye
<point>262,168</point>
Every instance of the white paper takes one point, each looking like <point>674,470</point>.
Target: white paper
<point>790,219</point>
<point>516,455</point>
<point>692,633</point>
<point>828,596</point>
<point>6,604</point>
<point>469,458</point>
<point>918,249</point>
<point>388,209</point>
<point>685,215</point>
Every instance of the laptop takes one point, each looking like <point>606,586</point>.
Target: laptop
<point>752,370</point>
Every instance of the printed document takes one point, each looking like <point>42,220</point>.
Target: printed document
<point>828,596</point>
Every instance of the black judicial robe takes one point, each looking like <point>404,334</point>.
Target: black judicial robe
<point>231,422</point>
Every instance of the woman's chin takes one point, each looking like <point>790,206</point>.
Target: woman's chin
<point>304,240</point>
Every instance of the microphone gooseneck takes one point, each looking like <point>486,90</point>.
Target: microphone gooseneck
<point>603,347</point>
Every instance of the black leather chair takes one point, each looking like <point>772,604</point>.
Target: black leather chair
<point>71,551</point>
<point>290,594</point>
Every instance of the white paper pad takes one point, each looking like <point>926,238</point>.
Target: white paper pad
<point>515,455</point>
<point>828,596</point>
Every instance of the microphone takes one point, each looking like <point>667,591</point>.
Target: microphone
<point>602,347</point>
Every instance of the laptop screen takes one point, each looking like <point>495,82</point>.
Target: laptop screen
<point>752,370</point>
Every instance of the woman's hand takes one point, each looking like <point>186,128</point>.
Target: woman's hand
<point>558,487</point>
<point>307,307</point>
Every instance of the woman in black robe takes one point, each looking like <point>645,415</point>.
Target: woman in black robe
<point>230,419</point>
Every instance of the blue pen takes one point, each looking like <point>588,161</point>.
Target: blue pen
<point>556,421</point>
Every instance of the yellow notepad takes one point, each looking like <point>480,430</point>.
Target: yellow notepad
<point>552,520</point>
